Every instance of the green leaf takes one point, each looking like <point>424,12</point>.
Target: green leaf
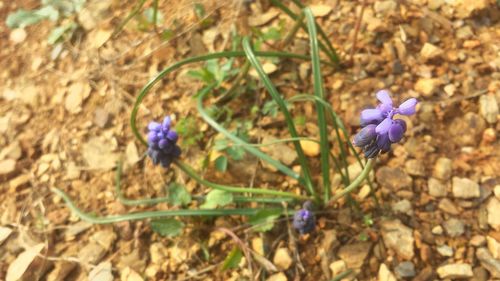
<point>221,163</point>
<point>236,153</point>
<point>59,31</point>
<point>149,16</point>
<point>178,195</point>
<point>233,259</point>
<point>48,12</point>
<point>22,18</point>
<point>221,144</point>
<point>217,198</point>
<point>167,227</point>
<point>264,220</point>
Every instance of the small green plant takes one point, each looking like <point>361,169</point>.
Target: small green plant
<point>53,10</point>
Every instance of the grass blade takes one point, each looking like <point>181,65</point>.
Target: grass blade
<point>288,117</point>
<point>319,92</point>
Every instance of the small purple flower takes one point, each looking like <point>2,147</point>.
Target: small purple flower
<point>303,220</point>
<point>162,143</point>
<point>379,128</point>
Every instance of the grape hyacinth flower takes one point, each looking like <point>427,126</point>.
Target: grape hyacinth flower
<point>162,143</point>
<point>379,128</point>
<point>303,220</point>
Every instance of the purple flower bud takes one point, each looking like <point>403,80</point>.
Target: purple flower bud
<point>365,136</point>
<point>370,116</point>
<point>162,143</point>
<point>371,150</point>
<point>397,130</point>
<point>304,221</point>
<point>384,126</point>
<point>383,142</point>
<point>408,107</point>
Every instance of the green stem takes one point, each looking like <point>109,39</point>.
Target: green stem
<point>229,94</point>
<point>307,179</point>
<point>132,14</point>
<point>293,31</point>
<point>190,171</point>
<point>355,183</point>
<point>177,65</point>
<point>153,214</point>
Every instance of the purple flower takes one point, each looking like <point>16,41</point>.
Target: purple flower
<point>379,128</point>
<point>303,220</point>
<point>162,143</point>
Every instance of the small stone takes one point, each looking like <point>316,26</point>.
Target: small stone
<point>4,233</point>
<point>403,207</point>
<point>449,207</point>
<point>488,108</point>
<point>98,154</point>
<point>364,191</point>
<point>480,274</point>
<point>393,178</point>
<point>493,210</point>
<point>443,168</point>
<point>435,4</point>
<point>267,67</point>
<point>489,135</point>
<point>450,89</point>
<point>429,52</point>
<point>466,9</point>
<point>338,267</point>
<point>132,153</point>
<point>91,253</point>
<point>258,245</point>
<point>128,274</point>
<point>425,274</point>
<point>437,230</point>
<point>282,259</point>
<point>158,253</point>
<point>355,254</point>
<point>467,130</point>
<point>487,261</point>
<point>399,238</point>
<point>102,118</point>
<point>384,7</point>
<point>12,151</point>
<point>465,188</point>
<point>320,10</point>
<point>436,188</point>
<point>277,277</point>
<point>311,148</point>
<point>427,86</point>
<point>102,272</point>
<point>384,274</point>
<point>19,181</point>
<point>105,238</point>
<point>7,166</point>
<point>17,35</point>
<point>455,271</point>
<point>496,191</point>
<point>75,229</point>
<point>477,241</point>
<point>405,269</point>
<point>454,227</point>
<point>494,247</point>
<point>415,167</point>
<point>464,32</point>
<point>279,151</point>
<point>445,251</point>
<point>61,270</point>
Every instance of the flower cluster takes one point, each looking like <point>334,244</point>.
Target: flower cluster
<point>379,128</point>
<point>162,143</point>
<point>303,220</point>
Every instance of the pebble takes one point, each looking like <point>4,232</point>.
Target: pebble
<point>321,10</point>
<point>454,227</point>
<point>19,181</point>
<point>384,274</point>
<point>496,191</point>
<point>493,210</point>
<point>405,270</point>
<point>455,271</point>
<point>465,188</point>
<point>17,35</point>
<point>449,207</point>
<point>7,166</point>
<point>338,267</point>
<point>435,4</point>
<point>415,167</point>
<point>436,188</point>
<point>478,241</point>
<point>105,238</point>
<point>102,272</point>
<point>430,52</point>
<point>489,135</point>
<point>128,274</point>
<point>277,277</point>
<point>399,238</point>
<point>494,247</point>
<point>355,254</point>
<point>467,130</point>
<point>427,86</point>
<point>91,253</point>
<point>425,274</point>
<point>437,230</point>
<point>487,261</point>
<point>445,251</point>
<point>311,148</point>
<point>393,178</point>
<point>403,207</point>
<point>488,108</point>
<point>102,118</point>
<point>384,7</point>
<point>258,245</point>
<point>282,259</point>
<point>450,89</point>
<point>443,168</point>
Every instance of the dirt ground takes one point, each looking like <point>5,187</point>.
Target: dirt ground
<point>64,122</point>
